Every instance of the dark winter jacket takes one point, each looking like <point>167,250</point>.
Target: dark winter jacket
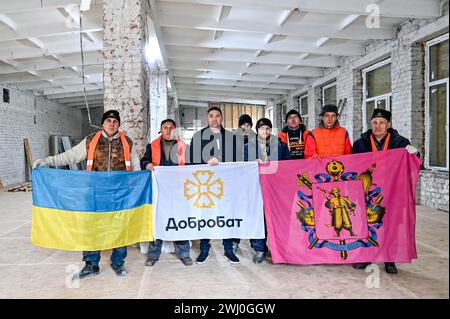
<point>363,145</point>
<point>252,151</point>
<point>204,146</point>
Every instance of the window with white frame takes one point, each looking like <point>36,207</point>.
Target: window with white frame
<point>437,104</point>
<point>303,108</point>
<point>377,92</point>
<point>282,110</point>
<point>269,113</point>
<point>329,94</point>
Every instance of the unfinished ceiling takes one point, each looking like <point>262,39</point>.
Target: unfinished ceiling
<point>214,49</point>
<point>40,49</point>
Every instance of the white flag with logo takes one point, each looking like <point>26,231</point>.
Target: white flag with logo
<point>202,201</point>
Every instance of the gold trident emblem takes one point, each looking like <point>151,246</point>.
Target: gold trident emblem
<point>203,189</point>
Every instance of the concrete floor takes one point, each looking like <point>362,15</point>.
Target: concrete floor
<point>27,271</point>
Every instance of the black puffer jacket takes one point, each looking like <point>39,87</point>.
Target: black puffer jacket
<point>363,145</point>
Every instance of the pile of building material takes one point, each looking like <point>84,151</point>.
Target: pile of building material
<point>26,187</point>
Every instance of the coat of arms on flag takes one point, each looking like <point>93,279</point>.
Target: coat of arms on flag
<point>348,209</point>
<point>340,201</point>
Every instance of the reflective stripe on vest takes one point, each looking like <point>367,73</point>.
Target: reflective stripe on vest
<point>156,152</point>
<point>330,142</point>
<point>126,150</point>
<point>93,145</point>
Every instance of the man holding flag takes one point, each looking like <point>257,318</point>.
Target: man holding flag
<point>381,137</point>
<point>329,139</point>
<point>107,150</point>
<point>166,150</point>
<point>212,145</point>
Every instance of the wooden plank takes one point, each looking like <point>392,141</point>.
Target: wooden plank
<point>254,113</point>
<point>235,116</point>
<point>224,115</point>
<point>248,110</point>
<point>28,153</point>
<point>229,116</point>
<point>260,112</point>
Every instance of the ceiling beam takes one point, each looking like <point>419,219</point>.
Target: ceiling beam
<point>79,98</point>
<point>186,80</point>
<point>388,8</point>
<point>229,88</point>
<point>59,48</point>
<point>57,28</point>
<point>72,88</point>
<point>182,54</point>
<point>82,102</point>
<point>239,77</point>
<point>45,65</point>
<point>287,45</point>
<point>359,32</point>
<point>203,102</point>
<point>10,23</point>
<point>74,94</point>
<point>233,67</point>
<point>218,96</point>
<point>18,6</point>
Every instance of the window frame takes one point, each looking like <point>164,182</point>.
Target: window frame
<point>303,115</point>
<point>269,113</point>
<point>428,86</point>
<point>327,86</point>
<point>387,96</point>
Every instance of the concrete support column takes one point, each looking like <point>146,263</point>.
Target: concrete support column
<point>158,101</point>
<point>125,75</point>
<point>408,92</point>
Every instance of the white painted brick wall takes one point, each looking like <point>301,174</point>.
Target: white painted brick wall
<point>408,93</point>
<point>433,190</point>
<point>17,121</point>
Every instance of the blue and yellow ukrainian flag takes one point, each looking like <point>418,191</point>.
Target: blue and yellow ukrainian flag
<point>81,210</point>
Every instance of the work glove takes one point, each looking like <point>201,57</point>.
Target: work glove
<point>411,149</point>
<point>40,162</point>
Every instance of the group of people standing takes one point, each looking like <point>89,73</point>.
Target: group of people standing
<point>110,150</point>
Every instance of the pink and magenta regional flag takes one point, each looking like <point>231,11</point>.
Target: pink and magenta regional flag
<point>346,209</point>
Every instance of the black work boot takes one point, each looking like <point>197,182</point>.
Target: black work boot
<point>391,268</point>
<point>361,265</point>
<point>88,270</point>
<point>119,270</point>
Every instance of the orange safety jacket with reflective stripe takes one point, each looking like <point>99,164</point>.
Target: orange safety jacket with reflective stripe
<point>328,142</point>
<point>93,145</point>
<point>156,152</point>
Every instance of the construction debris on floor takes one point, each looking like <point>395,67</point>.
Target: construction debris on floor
<point>26,187</point>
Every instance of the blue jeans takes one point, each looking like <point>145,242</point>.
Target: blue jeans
<point>227,244</point>
<point>259,245</point>
<point>182,248</point>
<point>117,258</point>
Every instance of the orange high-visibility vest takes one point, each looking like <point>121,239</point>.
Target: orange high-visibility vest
<point>156,152</point>
<point>330,142</point>
<point>386,143</point>
<point>93,145</point>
